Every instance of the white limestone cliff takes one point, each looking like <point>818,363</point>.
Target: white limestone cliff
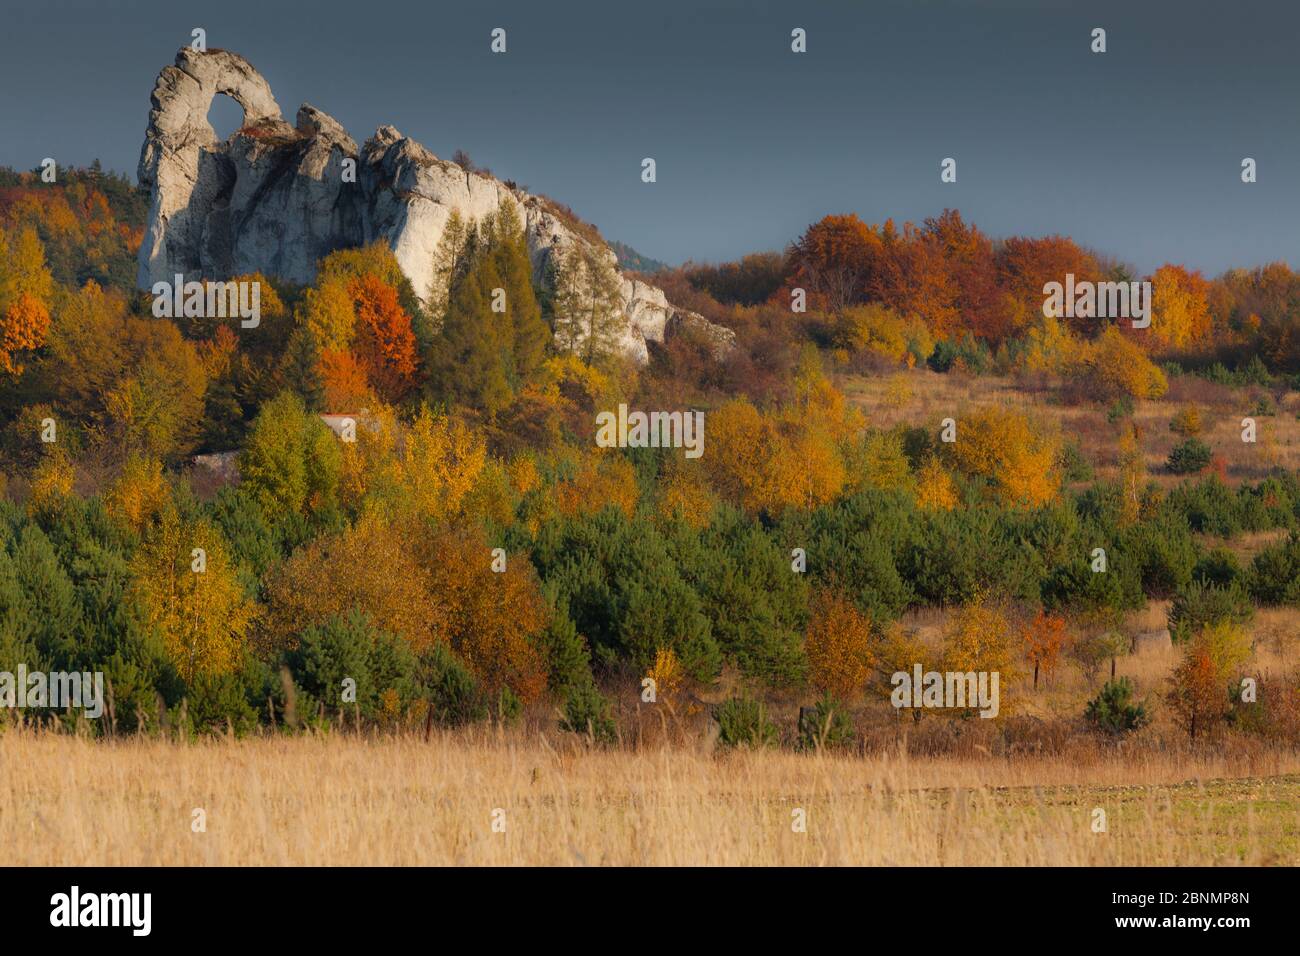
<point>272,198</point>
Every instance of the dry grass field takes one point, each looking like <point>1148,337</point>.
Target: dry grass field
<point>394,801</point>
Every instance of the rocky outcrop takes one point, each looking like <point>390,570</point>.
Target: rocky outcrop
<point>274,197</point>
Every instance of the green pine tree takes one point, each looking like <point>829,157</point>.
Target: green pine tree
<point>482,357</point>
<point>300,369</point>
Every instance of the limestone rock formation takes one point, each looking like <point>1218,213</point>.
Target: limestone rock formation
<point>273,197</point>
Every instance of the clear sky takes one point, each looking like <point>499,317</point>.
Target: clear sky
<point>1135,152</point>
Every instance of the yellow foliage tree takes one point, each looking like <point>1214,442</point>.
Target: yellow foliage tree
<point>440,461</point>
<point>23,270</point>
<point>1113,366</point>
<point>328,311</point>
<point>685,494</point>
<point>52,483</point>
<point>979,638</point>
<point>839,646</point>
<point>190,592</point>
<point>878,461</point>
<point>1003,446</point>
<point>373,567</point>
<point>603,478</point>
<point>1180,308</point>
<point>1132,470</point>
<point>491,618</point>
<point>935,490</point>
<point>766,464</point>
<point>141,493</point>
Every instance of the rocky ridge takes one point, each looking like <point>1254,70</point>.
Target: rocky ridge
<point>273,197</point>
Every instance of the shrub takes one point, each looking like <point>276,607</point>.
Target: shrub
<point>968,354</point>
<point>1187,422</point>
<point>1073,465</point>
<point>826,724</point>
<point>453,693</point>
<point>1219,567</point>
<point>586,711</point>
<point>1113,710</point>
<point>1199,604</point>
<point>1275,573</point>
<point>1189,457</point>
<point>1275,711</point>
<point>742,722</point>
<point>1120,409</point>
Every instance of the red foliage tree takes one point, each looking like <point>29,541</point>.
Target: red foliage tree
<point>384,345</point>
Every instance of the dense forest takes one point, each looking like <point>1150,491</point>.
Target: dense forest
<point>176,513</point>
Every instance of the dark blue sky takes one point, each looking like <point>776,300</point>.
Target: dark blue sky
<point>1135,152</point>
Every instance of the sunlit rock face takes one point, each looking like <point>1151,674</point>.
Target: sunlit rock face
<point>274,197</point>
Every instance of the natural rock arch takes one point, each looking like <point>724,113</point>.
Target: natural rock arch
<point>272,198</point>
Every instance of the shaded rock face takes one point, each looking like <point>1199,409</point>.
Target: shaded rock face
<point>272,198</point>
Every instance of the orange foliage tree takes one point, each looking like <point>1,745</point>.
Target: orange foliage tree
<point>1044,640</point>
<point>384,343</point>
<point>344,381</point>
<point>23,328</point>
<point>492,618</point>
<point>839,646</point>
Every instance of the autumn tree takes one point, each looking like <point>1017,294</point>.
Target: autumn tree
<point>135,382</point>
<point>192,595</point>
<point>952,280</point>
<point>327,306</point>
<point>1180,312</point>
<point>384,343</point>
<point>1044,640</point>
<point>979,639</point>
<point>1114,366</point>
<point>290,462</point>
<point>344,385</point>
<point>833,261</point>
<point>23,270</point>
<point>599,480</point>
<point>372,567</point>
<point>1198,693</point>
<point>839,646</point>
<point>1017,456</point>
<point>141,495</point>
<point>935,490</point>
<point>493,618</point>
<point>1025,265</point>
<point>440,462</point>
<point>23,328</point>
<point>762,466</point>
